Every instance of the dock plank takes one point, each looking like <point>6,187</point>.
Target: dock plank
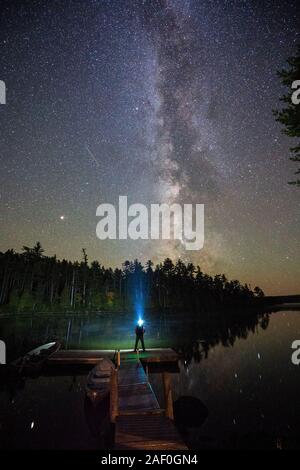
<point>147,432</point>
<point>139,397</point>
<point>131,373</point>
<point>77,357</point>
<point>92,356</point>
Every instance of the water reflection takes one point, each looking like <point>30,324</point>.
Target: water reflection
<point>224,332</point>
<point>236,386</point>
<point>250,390</point>
<point>189,412</point>
<point>193,337</point>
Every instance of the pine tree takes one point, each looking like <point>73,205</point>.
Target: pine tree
<point>290,115</point>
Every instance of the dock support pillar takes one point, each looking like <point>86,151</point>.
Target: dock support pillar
<point>114,399</point>
<point>168,395</point>
<point>118,359</point>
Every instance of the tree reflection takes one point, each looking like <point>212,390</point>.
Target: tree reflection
<point>225,331</point>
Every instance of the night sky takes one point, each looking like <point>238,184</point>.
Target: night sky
<point>162,101</point>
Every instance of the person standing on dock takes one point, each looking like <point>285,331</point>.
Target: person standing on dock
<point>139,335</point>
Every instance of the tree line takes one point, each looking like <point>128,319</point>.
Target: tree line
<point>32,281</point>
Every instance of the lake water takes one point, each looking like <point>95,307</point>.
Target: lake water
<point>244,380</point>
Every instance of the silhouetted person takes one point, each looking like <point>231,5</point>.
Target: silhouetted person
<point>139,335</point>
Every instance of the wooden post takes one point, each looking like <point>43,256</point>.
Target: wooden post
<point>168,395</point>
<point>114,399</point>
<point>118,359</point>
<point>138,357</point>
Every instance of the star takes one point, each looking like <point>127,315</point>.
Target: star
<point>128,102</point>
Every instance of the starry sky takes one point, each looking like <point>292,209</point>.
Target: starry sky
<point>162,101</point>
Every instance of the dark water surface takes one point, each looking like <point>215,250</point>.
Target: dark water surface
<point>244,380</point>
<point>251,390</point>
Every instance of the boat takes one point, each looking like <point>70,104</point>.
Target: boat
<point>98,381</point>
<point>32,362</point>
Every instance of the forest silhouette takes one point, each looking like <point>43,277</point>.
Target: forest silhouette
<point>31,281</point>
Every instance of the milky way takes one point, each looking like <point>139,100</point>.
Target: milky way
<point>162,101</point>
<point>182,152</point>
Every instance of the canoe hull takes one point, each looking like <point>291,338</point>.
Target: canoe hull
<point>33,361</point>
<point>98,381</point>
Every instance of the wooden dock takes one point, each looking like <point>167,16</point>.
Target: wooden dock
<point>149,432</point>
<point>80,357</point>
<point>92,356</point>
<point>134,390</point>
<point>139,421</point>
